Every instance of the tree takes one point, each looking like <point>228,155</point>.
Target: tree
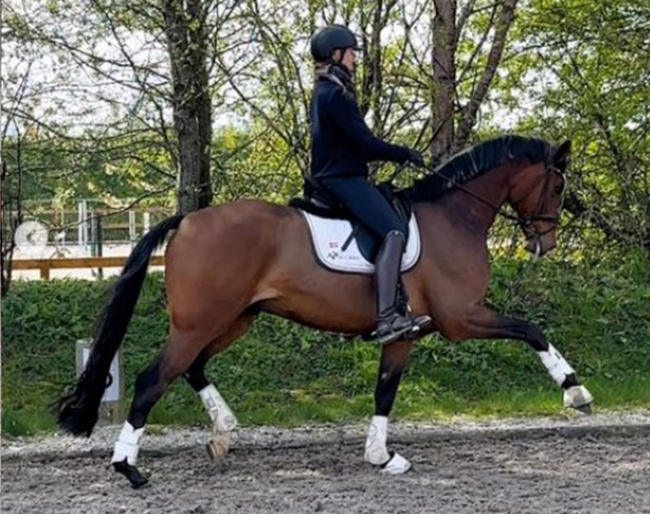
<point>118,45</point>
<point>186,31</point>
<point>460,38</point>
<point>593,59</point>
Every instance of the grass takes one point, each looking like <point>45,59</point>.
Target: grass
<point>292,410</point>
<point>597,315</point>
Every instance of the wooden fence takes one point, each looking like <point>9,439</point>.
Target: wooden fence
<point>45,265</point>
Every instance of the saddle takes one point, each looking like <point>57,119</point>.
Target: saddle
<point>343,244</point>
<point>319,202</point>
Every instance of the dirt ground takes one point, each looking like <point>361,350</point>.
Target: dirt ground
<point>540,470</point>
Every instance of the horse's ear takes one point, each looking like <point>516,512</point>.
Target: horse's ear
<point>562,154</point>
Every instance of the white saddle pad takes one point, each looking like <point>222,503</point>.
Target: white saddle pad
<point>328,237</point>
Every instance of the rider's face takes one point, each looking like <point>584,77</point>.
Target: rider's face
<point>348,59</point>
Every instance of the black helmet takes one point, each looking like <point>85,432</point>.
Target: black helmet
<point>328,39</point>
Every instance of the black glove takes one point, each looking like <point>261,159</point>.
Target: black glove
<point>415,157</point>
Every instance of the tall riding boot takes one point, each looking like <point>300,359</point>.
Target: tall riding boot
<point>391,324</point>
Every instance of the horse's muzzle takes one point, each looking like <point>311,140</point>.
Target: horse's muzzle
<point>539,246</point>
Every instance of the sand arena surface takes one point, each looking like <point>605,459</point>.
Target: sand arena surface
<point>598,464</point>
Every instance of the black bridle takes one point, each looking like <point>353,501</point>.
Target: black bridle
<point>526,223</point>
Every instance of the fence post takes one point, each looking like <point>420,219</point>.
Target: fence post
<point>82,230</point>
<point>111,408</point>
<point>97,245</point>
<point>133,236</point>
<point>146,221</point>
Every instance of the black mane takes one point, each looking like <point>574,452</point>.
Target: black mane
<point>475,161</point>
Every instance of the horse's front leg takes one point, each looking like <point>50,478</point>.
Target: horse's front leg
<point>482,323</point>
<point>393,360</point>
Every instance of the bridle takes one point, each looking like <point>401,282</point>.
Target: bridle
<point>526,223</point>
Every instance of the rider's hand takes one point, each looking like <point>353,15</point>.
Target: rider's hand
<point>415,157</point>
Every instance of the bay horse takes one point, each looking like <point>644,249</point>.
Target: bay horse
<point>226,264</point>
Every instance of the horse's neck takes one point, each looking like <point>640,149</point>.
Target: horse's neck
<point>477,209</point>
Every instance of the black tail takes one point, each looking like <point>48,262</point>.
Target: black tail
<point>78,410</point>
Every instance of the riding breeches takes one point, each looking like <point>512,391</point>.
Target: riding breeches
<point>366,204</point>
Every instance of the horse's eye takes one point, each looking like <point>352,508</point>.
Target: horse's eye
<point>558,189</point>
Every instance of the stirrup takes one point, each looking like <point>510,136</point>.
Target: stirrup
<point>405,332</point>
<point>423,321</point>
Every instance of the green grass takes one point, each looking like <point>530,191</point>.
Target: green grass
<point>300,409</point>
<point>596,314</point>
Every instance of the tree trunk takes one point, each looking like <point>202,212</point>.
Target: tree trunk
<point>372,77</point>
<point>11,216</point>
<point>452,127</point>
<point>444,78</point>
<point>494,59</point>
<point>192,106</point>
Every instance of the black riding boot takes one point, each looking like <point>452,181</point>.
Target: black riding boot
<point>391,324</point>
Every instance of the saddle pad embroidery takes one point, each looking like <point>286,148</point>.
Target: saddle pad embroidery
<point>329,235</point>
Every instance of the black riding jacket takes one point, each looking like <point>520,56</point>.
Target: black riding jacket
<point>342,144</point>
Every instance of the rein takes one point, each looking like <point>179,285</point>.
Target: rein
<point>526,222</point>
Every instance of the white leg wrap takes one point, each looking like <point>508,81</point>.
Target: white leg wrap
<point>376,452</point>
<point>127,444</point>
<point>223,418</point>
<point>556,365</point>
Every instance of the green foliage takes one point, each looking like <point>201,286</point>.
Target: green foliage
<point>581,70</point>
<point>596,313</point>
<point>573,69</point>
<point>61,169</point>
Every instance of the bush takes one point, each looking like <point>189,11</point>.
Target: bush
<point>596,314</point>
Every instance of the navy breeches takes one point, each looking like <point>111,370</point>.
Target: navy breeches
<point>366,204</point>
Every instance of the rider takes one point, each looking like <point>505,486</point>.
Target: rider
<point>342,146</point>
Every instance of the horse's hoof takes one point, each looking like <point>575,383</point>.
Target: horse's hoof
<point>217,448</point>
<point>585,409</point>
<point>579,398</point>
<point>137,479</point>
<point>397,465</point>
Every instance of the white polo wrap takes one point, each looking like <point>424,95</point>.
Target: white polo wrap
<point>218,410</point>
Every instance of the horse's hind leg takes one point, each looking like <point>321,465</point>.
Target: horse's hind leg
<point>177,355</point>
<point>483,323</point>
<point>223,419</point>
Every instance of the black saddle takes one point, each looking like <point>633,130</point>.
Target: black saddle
<point>320,202</point>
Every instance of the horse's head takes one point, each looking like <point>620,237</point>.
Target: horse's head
<point>536,196</point>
